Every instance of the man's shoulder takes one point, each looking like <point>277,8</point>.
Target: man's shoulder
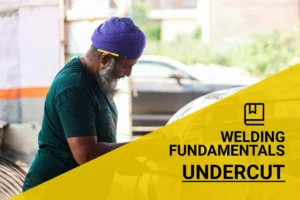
<point>74,80</point>
<point>70,76</point>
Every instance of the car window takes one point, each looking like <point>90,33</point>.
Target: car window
<point>152,69</point>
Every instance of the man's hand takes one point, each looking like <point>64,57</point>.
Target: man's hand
<point>85,149</point>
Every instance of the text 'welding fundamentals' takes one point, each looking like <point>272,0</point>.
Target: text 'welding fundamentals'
<point>235,143</point>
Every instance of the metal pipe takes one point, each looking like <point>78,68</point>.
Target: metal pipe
<point>11,178</point>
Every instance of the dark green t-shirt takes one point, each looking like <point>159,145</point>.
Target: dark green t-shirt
<point>74,107</point>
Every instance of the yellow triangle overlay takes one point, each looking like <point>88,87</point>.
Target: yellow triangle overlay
<point>145,170</point>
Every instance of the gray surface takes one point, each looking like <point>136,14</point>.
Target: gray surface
<point>32,109</point>
<point>10,110</point>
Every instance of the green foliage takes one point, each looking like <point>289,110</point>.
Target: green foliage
<point>260,54</point>
<point>197,35</point>
<point>264,54</point>
<point>187,51</point>
<point>139,11</point>
<point>152,30</point>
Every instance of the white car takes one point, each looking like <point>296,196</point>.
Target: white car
<point>161,86</point>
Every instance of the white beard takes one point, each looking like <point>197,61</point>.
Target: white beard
<point>108,81</point>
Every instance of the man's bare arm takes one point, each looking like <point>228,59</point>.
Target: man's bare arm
<point>85,149</point>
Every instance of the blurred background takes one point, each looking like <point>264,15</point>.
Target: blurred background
<point>194,47</point>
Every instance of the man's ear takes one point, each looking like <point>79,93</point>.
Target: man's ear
<point>105,59</point>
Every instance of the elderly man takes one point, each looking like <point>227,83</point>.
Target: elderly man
<point>80,116</point>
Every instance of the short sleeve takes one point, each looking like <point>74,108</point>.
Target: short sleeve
<point>76,112</point>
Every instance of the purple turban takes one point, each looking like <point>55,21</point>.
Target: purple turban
<point>120,36</point>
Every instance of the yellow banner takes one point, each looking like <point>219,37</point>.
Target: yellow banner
<point>245,146</point>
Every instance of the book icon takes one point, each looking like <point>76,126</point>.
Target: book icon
<point>254,114</point>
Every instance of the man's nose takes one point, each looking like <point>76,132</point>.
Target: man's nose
<point>128,73</point>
